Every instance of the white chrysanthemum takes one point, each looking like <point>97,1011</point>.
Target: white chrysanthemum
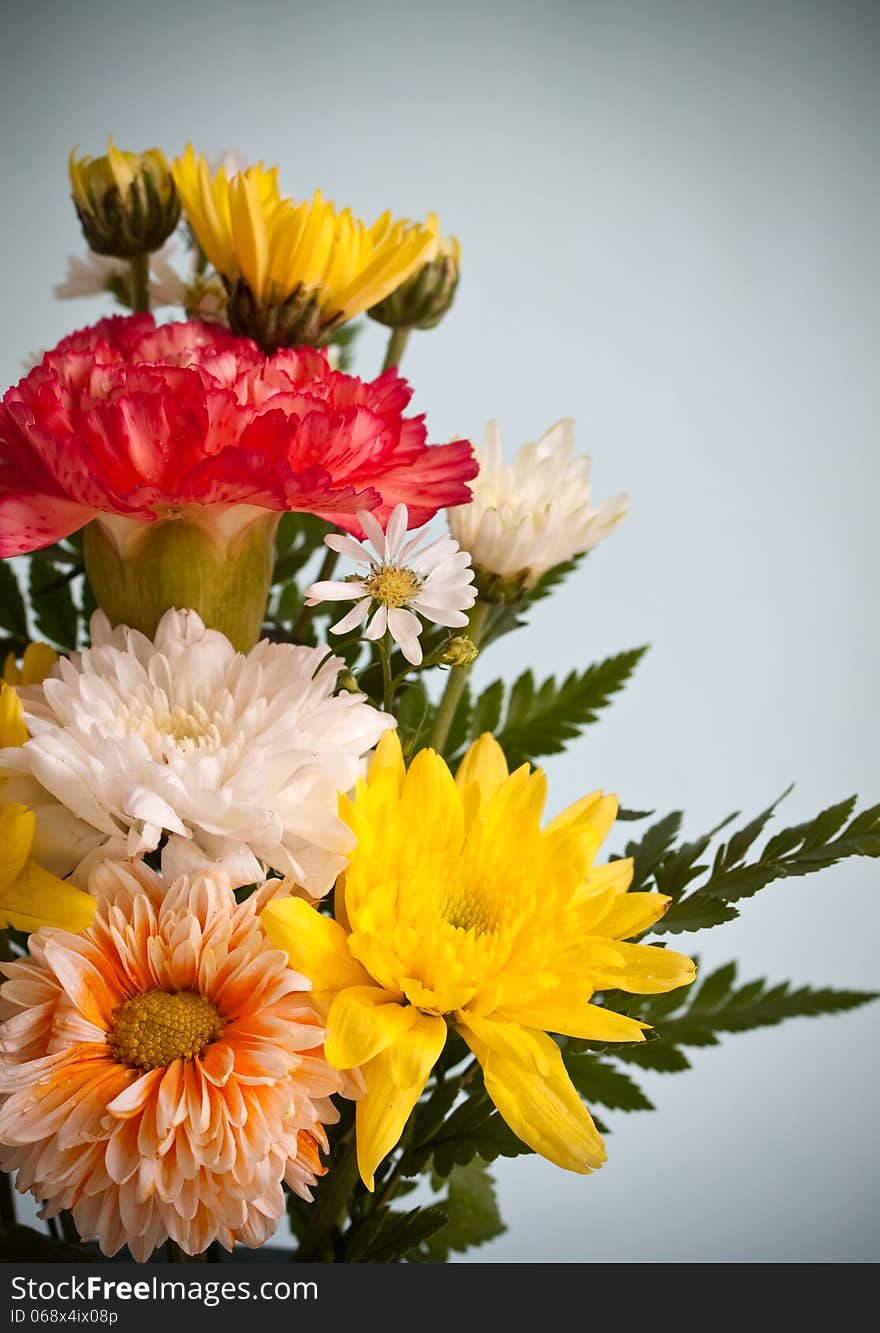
<point>534,513</point>
<point>399,580</point>
<point>237,759</point>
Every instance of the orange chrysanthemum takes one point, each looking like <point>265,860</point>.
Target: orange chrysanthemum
<point>163,1072</point>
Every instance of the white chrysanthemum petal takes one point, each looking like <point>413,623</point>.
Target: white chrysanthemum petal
<point>239,758</point>
<point>534,512</point>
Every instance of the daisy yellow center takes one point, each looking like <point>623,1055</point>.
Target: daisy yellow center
<point>392,585</point>
<point>157,1027</point>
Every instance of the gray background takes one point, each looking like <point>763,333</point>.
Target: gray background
<point>669,215</point>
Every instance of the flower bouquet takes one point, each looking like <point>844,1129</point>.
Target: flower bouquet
<point>286,932</point>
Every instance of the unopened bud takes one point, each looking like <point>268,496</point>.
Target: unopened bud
<point>126,202</point>
<point>424,298</point>
<point>459,651</point>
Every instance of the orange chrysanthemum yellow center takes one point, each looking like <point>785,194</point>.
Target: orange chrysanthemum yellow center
<point>392,585</point>
<point>157,1027</point>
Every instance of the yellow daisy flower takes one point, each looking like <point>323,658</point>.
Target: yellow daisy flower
<point>458,910</point>
<point>294,271</point>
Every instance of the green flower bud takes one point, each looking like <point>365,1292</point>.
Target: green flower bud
<point>421,301</point>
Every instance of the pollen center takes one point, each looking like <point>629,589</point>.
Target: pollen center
<point>392,585</point>
<point>467,908</point>
<point>158,1027</point>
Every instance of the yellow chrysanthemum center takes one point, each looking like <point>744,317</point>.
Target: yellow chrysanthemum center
<point>476,908</point>
<point>392,585</point>
<point>157,1027</point>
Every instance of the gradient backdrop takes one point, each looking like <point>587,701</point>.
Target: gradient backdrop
<point>669,214</point>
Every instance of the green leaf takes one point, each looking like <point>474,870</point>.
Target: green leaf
<point>473,1129</point>
<point>602,1084</point>
<point>299,537</point>
<point>832,836</point>
<point>386,1236</point>
<point>12,612</point>
<point>486,714</point>
<point>55,615</point>
<point>542,719</point>
<point>718,1005</point>
<point>461,727</point>
<point>472,1209</point>
<point>650,849</point>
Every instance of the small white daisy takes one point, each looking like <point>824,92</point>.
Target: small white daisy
<point>437,582</point>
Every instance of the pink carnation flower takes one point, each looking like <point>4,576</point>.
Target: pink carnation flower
<point>135,420</point>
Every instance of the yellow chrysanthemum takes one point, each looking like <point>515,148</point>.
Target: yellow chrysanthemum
<point>30,896</point>
<point>294,271</point>
<point>458,909</point>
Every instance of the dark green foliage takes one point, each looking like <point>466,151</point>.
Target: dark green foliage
<point>832,836</point>
<point>474,1128</point>
<point>12,612</point>
<point>472,1209</point>
<point>56,617</point>
<point>601,1084</point>
<point>541,719</point>
<point>385,1236</point>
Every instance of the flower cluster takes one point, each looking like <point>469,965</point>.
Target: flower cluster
<point>277,908</point>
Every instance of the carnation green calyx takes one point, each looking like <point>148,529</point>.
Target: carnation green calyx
<point>218,563</point>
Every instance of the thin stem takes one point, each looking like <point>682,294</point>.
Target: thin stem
<point>387,680</point>
<point>303,620</point>
<point>140,282</point>
<point>331,1201</point>
<point>458,678</point>
<point>68,1228</point>
<point>396,348</point>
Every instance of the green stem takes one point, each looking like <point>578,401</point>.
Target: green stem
<point>330,1202</point>
<point>396,348</point>
<point>140,282</point>
<point>303,620</point>
<point>458,678</point>
<point>387,680</point>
